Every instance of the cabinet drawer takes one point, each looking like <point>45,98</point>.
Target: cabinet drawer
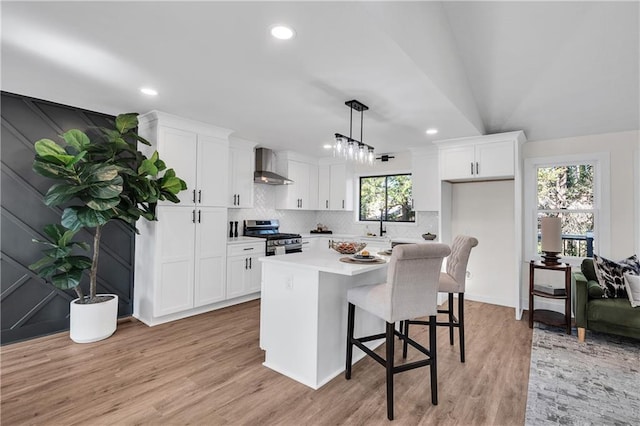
<point>252,249</point>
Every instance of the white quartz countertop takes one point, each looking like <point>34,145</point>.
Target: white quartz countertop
<point>243,240</point>
<point>325,260</point>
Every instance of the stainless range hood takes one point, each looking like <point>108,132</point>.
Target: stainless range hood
<point>265,169</point>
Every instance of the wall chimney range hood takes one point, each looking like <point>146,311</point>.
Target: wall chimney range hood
<point>265,169</point>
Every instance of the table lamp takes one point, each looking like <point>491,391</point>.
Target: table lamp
<point>551,239</point>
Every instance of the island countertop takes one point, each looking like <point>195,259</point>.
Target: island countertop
<point>326,260</point>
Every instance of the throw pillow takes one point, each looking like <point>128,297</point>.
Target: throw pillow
<point>611,274</point>
<point>632,283</point>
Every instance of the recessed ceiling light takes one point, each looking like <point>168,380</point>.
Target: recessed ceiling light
<point>327,146</point>
<point>432,131</point>
<point>149,91</point>
<point>282,32</point>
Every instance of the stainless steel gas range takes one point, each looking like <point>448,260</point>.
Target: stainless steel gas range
<point>269,230</point>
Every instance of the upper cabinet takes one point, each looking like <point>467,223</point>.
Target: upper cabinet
<point>479,158</point>
<point>198,153</point>
<point>335,185</point>
<point>302,194</point>
<point>425,179</point>
<point>241,164</point>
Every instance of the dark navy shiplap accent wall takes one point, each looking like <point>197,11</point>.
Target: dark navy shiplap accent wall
<point>29,306</point>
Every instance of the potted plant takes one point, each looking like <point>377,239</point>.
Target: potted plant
<point>104,178</point>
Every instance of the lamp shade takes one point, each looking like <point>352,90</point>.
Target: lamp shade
<point>551,234</point>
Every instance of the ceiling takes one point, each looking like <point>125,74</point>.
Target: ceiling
<point>552,69</point>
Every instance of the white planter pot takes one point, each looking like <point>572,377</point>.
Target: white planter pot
<point>94,321</point>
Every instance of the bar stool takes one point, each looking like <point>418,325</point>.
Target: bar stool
<point>451,282</point>
<point>410,291</point>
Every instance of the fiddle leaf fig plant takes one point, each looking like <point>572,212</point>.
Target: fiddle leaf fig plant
<point>99,179</point>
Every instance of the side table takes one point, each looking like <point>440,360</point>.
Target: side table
<point>543,315</point>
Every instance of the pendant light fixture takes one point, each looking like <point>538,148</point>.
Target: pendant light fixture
<point>353,149</point>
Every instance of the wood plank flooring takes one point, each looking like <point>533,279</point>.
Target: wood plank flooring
<point>208,370</point>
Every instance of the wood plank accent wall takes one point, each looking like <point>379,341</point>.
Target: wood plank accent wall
<point>30,306</point>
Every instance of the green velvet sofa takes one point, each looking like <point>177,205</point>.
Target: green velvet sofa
<point>615,316</point>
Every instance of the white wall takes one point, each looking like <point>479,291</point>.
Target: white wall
<point>485,210</point>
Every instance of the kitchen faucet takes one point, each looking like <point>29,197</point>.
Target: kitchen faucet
<point>382,231</point>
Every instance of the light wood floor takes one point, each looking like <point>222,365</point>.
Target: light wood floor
<point>208,370</point>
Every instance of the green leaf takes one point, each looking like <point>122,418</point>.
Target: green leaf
<point>126,122</point>
<point>50,170</point>
<point>46,243</point>
<point>49,270</point>
<point>67,280</point>
<point>40,263</point>
<point>60,193</point>
<point>172,185</point>
<point>142,140</point>
<point>160,165</point>
<point>92,218</point>
<point>54,231</point>
<point>101,205</point>
<point>84,246</point>
<point>77,139</point>
<point>64,240</point>
<point>47,147</point>
<point>77,158</point>
<point>70,218</point>
<point>106,190</point>
<point>147,167</point>
<point>57,252</point>
<point>79,262</point>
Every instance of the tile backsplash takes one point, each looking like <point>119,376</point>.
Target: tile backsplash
<point>302,221</point>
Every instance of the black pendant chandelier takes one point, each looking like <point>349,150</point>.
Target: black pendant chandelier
<point>350,148</point>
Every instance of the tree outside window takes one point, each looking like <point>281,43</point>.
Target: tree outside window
<point>568,191</point>
<point>389,195</point>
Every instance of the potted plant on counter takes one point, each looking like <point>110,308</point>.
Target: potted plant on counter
<point>105,179</point>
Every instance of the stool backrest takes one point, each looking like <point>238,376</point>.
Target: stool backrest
<point>459,258</point>
<point>412,277</point>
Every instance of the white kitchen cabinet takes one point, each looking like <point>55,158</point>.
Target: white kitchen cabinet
<point>302,194</point>
<point>335,186</point>
<point>477,158</point>
<point>180,263</point>
<point>243,268</point>
<point>324,186</point>
<point>198,153</point>
<point>425,179</point>
<point>241,165</point>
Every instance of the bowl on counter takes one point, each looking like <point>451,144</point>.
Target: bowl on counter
<point>429,236</point>
<point>347,247</point>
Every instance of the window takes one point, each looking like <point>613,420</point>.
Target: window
<point>569,187</point>
<point>389,195</point>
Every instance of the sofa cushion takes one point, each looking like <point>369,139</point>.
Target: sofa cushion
<point>615,312</point>
<point>588,270</point>
<point>611,274</point>
<point>632,284</point>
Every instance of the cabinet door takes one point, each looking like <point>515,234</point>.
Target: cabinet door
<point>299,173</point>
<point>341,188</point>
<point>174,290</point>
<point>425,182</point>
<point>179,149</point>
<point>324,187</point>
<point>254,275</point>
<point>457,162</point>
<point>210,255</point>
<point>310,200</point>
<point>212,169</point>
<point>495,159</point>
<point>241,176</point>
<point>237,269</point>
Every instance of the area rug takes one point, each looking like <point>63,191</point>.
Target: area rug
<point>592,383</point>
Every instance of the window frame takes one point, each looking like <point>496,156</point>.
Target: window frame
<point>385,175</point>
<point>601,200</point>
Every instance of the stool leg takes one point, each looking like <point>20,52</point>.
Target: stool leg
<point>350,326</point>
<point>450,312</point>
<point>406,334</point>
<point>434,363</point>
<point>390,351</point>
<point>461,324</point>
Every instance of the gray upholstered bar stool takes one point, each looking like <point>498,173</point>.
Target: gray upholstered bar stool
<point>410,291</point>
<point>452,282</point>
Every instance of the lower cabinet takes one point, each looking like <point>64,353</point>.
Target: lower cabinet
<point>180,263</point>
<point>243,268</point>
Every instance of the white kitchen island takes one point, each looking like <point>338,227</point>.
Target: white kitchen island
<point>303,313</point>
